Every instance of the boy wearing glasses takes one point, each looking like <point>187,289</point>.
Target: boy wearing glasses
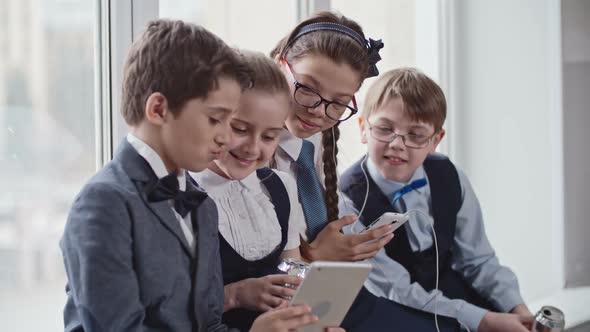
<point>402,126</point>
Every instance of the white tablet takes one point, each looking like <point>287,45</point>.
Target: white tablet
<point>329,290</point>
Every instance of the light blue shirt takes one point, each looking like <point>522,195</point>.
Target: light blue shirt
<point>473,256</point>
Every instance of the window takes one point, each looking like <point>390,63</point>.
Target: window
<point>239,23</point>
<point>242,24</point>
<point>47,149</point>
<point>394,23</point>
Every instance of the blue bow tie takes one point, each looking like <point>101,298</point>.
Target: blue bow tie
<point>416,184</point>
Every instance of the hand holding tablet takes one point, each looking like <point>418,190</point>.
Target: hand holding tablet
<point>329,290</point>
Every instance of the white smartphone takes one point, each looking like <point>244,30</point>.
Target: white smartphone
<point>329,290</point>
<point>388,218</point>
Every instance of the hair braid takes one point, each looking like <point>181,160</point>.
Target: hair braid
<point>329,139</point>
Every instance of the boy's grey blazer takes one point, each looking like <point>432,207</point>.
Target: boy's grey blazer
<point>128,263</point>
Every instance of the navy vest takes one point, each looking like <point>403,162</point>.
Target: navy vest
<point>236,268</point>
<point>445,190</point>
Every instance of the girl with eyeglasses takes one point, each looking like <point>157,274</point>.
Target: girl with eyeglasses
<point>326,59</point>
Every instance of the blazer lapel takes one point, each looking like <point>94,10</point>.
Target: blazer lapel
<point>142,174</point>
<point>163,211</point>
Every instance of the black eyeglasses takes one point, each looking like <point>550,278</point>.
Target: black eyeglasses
<point>310,98</point>
<point>387,135</point>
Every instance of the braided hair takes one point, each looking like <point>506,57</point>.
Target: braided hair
<point>341,48</point>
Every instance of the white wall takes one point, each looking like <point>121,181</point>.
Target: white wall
<point>507,136</point>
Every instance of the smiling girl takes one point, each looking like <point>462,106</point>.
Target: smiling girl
<point>260,217</point>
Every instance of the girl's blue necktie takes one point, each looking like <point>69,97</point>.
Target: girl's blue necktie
<point>310,191</point>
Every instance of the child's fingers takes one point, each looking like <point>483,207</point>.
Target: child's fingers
<point>363,256</point>
<point>522,328</point>
<point>369,249</point>
<point>269,301</point>
<point>282,279</point>
<point>356,239</point>
<point>291,311</point>
<point>375,234</point>
<point>340,223</point>
<point>526,319</point>
<point>299,321</point>
<point>283,305</point>
<point>375,245</point>
<point>380,231</point>
<point>281,291</point>
<point>264,307</point>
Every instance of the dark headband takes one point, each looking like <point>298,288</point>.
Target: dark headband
<point>372,46</point>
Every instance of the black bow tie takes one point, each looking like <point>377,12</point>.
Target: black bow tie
<point>167,188</point>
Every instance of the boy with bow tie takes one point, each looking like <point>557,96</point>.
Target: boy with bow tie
<point>140,245</point>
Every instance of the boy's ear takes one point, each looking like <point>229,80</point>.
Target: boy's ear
<point>363,130</point>
<point>156,108</point>
<point>436,140</point>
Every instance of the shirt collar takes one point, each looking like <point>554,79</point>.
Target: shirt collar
<point>290,144</point>
<point>216,184</point>
<point>251,182</point>
<point>154,160</point>
<point>390,187</point>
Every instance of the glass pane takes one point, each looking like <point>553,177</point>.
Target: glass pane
<point>239,23</point>
<point>47,150</point>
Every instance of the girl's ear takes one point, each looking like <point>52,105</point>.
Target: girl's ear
<point>156,108</point>
<point>364,132</point>
<point>436,140</point>
<point>282,65</point>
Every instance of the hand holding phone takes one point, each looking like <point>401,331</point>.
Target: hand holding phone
<point>388,218</point>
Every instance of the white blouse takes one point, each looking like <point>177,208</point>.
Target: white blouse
<point>247,217</point>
